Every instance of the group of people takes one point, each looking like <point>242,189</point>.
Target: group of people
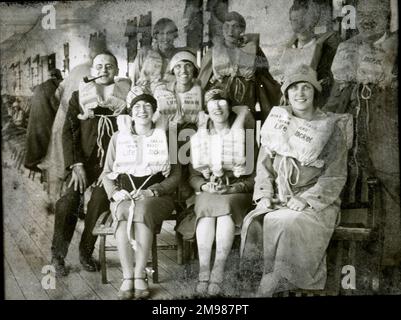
<point>120,134</point>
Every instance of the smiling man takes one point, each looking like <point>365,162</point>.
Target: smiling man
<point>90,121</point>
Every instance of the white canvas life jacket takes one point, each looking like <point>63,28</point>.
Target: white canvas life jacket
<point>364,63</point>
<point>241,63</point>
<point>294,57</point>
<point>290,136</point>
<point>218,153</point>
<point>154,71</point>
<point>90,98</point>
<point>179,107</point>
<point>140,155</point>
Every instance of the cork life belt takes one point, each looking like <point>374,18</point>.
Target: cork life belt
<point>363,63</point>
<point>239,61</point>
<point>214,153</point>
<point>345,62</point>
<point>374,65</point>
<point>90,99</point>
<point>290,136</point>
<point>139,155</point>
<point>154,71</point>
<point>184,109</point>
<point>294,57</point>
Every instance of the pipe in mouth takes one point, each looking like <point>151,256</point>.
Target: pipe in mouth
<point>86,79</point>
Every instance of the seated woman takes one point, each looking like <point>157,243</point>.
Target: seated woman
<point>138,179</point>
<point>223,180</point>
<point>301,171</point>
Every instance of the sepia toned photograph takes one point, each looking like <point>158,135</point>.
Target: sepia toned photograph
<point>200,149</point>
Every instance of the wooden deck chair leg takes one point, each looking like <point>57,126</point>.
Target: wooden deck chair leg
<point>338,267</point>
<point>179,240</point>
<point>186,251</point>
<point>155,276</point>
<point>375,275</point>
<point>102,258</point>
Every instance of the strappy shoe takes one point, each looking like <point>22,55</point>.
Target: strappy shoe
<point>126,294</point>
<point>141,294</point>
<point>214,289</point>
<point>201,287</point>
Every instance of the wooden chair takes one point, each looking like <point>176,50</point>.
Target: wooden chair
<point>361,227</point>
<point>103,228</point>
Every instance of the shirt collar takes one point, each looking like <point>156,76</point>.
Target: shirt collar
<point>310,43</point>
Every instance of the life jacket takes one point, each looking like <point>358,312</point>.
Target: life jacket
<point>374,65</point>
<point>154,70</point>
<point>184,109</point>
<point>218,153</point>
<point>298,139</point>
<point>241,63</point>
<point>290,136</point>
<point>89,97</point>
<point>139,155</point>
<point>309,55</point>
<point>364,63</point>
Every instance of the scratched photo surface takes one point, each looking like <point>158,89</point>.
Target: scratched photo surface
<point>182,149</point>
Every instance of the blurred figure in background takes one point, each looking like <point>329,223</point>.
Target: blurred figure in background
<point>43,110</point>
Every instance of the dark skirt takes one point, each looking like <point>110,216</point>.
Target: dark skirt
<point>216,205</point>
<point>150,211</point>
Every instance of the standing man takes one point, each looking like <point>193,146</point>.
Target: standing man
<point>90,121</point>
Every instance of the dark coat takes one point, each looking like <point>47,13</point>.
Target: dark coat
<point>80,136</point>
<point>44,106</point>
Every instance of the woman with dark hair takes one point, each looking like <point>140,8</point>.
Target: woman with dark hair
<point>223,182</point>
<point>301,171</point>
<point>150,66</point>
<point>238,65</point>
<point>138,179</point>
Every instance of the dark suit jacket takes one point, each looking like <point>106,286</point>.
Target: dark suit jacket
<point>80,136</point>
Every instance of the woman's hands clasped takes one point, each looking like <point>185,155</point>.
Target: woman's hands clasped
<point>297,203</point>
<point>213,187</point>
<point>122,195</point>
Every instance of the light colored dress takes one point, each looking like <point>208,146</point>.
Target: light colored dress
<point>295,242</point>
